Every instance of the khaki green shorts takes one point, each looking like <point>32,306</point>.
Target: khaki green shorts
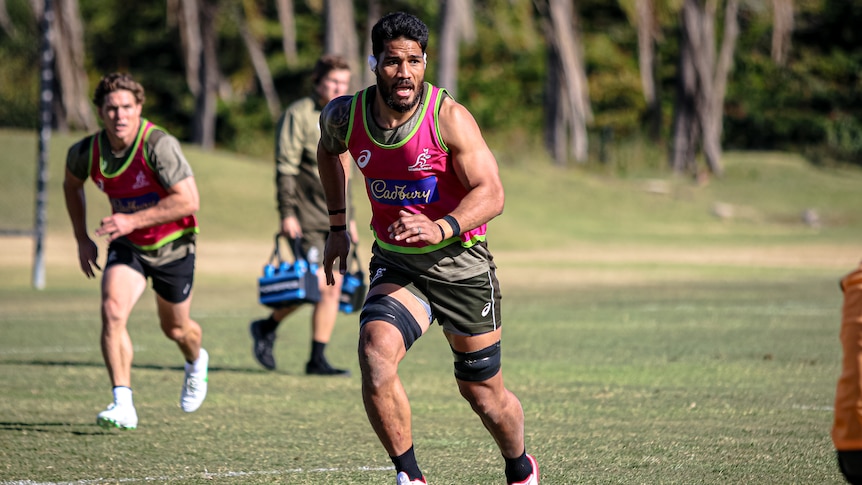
<point>469,306</point>
<point>313,244</point>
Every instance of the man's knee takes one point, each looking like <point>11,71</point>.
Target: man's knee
<point>380,350</point>
<point>380,342</point>
<point>114,313</point>
<point>177,333</point>
<point>179,330</point>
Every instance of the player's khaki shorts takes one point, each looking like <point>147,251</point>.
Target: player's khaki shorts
<point>313,244</point>
<point>469,306</point>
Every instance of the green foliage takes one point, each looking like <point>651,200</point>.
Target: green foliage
<point>616,96</point>
<point>810,105</point>
<point>19,74</point>
<point>843,139</point>
<point>502,81</point>
<point>246,128</point>
<point>149,49</point>
<point>19,89</point>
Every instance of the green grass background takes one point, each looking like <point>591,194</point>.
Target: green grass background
<point>648,340</point>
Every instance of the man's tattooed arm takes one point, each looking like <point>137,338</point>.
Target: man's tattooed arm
<point>334,120</point>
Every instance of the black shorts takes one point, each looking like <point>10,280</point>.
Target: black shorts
<point>172,281</point>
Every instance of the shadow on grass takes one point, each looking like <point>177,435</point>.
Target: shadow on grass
<point>76,429</point>
<point>68,363</point>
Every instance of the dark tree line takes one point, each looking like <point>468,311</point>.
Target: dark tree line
<point>696,76</point>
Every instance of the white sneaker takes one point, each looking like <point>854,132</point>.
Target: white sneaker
<point>195,384</point>
<point>403,479</point>
<point>533,479</point>
<point>116,416</point>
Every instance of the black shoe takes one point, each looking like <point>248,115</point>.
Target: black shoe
<point>324,369</point>
<point>262,346</point>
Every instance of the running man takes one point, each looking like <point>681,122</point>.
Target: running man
<point>433,184</point>
<point>151,235</point>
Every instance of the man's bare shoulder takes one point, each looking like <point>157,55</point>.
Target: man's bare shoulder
<point>334,121</point>
<point>457,125</point>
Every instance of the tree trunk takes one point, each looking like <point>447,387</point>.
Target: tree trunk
<point>38,8</point>
<point>204,123</point>
<point>447,64</point>
<point>5,21</point>
<point>457,24</point>
<point>374,13</point>
<point>703,82</point>
<point>341,35</point>
<point>187,16</point>
<point>288,30</point>
<point>686,127</point>
<point>648,32</point>
<point>699,21</point>
<point>74,108</point>
<point>261,68</point>
<point>714,114</point>
<point>572,91</point>
<point>782,30</point>
<point>556,134</point>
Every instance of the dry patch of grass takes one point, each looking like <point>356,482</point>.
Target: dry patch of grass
<point>577,263</point>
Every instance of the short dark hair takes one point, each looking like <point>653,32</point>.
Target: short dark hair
<point>396,25</point>
<point>117,81</point>
<point>327,63</point>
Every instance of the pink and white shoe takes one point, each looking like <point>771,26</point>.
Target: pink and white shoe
<point>403,479</point>
<point>533,479</point>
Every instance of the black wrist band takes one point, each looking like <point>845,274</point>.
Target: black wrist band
<point>456,228</point>
<point>337,211</point>
<point>342,227</point>
<point>442,232</point>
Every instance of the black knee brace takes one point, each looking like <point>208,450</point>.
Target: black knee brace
<point>388,309</point>
<point>477,366</point>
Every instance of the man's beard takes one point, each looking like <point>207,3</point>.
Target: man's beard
<point>389,98</point>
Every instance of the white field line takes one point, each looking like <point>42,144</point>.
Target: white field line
<point>205,475</point>
<point>808,407</point>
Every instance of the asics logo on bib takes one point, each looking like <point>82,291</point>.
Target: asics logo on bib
<point>486,309</point>
<point>378,274</point>
<point>364,158</point>
<point>404,192</point>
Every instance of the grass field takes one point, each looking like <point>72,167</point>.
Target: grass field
<point>649,341</point>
